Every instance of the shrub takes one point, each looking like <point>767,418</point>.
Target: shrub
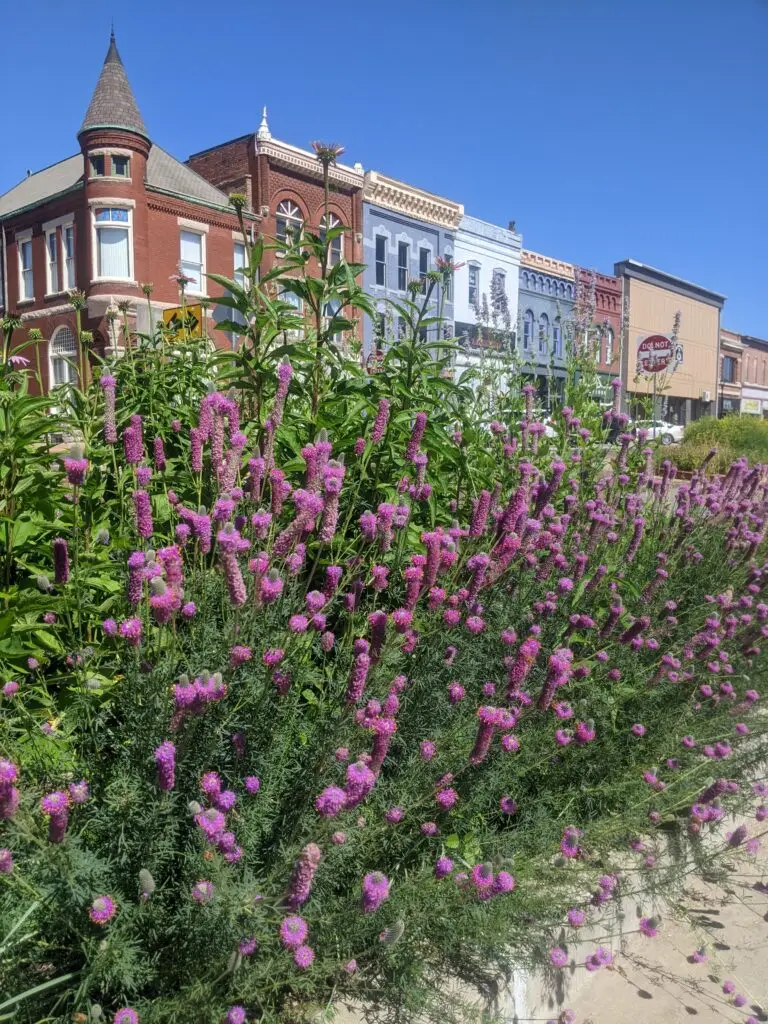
<point>295,729</point>
<point>733,437</point>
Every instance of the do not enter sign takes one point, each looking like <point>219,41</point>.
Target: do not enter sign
<point>654,353</point>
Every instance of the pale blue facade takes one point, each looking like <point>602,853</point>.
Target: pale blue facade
<point>398,248</point>
<point>546,304</point>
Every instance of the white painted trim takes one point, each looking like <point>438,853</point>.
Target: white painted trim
<point>21,238</point>
<point>194,225</point>
<point>95,225</point>
<point>61,222</point>
<point>110,151</point>
<point>113,201</point>
<point>203,257</point>
<point>116,280</point>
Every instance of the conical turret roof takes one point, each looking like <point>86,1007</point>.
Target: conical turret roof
<point>113,104</point>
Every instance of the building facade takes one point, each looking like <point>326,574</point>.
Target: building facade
<point>283,185</point>
<point>754,384</point>
<point>598,312</point>
<point>486,285</point>
<point>659,303</point>
<point>546,327</point>
<point>406,233</point>
<point>120,213</point>
<point>731,358</point>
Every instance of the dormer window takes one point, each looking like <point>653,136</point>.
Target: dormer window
<point>121,167</point>
<point>98,166</point>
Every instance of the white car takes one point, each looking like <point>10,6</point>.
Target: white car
<point>667,433</point>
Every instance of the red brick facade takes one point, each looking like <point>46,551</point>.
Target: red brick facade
<point>602,295</point>
<point>156,215</point>
<point>268,171</point>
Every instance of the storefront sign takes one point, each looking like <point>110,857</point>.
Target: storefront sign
<point>751,406</point>
<point>655,353</point>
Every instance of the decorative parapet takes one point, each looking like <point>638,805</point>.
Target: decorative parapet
<point>285,155</point>
<point>415,202</point>
<point>731,340</point>
<point>548,265</point>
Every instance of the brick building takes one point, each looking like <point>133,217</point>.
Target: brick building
<point>599,298</point>
<point>284,188</point>
<point>120,213</point>
<point>729,387</point>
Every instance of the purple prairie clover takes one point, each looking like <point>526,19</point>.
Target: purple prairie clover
<point>649,927</point>
<point>569,844</point>
<point>443,867</point>
<point>427,750</point>
<point>76,468</point>
<point>60,560</point>
<point>381,421</point>
<point>559,671</point>
<point>102,910</point>
<point>6,861</point>
<point>480,511</point>
<point>235,1015</point>
<point>447,798</point>
<point>503,882</point>
<point>558,957</point>
<point>394,815</point>
<point>489,720</point>
<point>358,677</point>
<point>133,446</point>
<point>284,375</point>
<point>637,536</point>
<point>56,808</point>
<point>303,957</point>
<point>638,729</point>
<point>252,784</point>
<point>638,626</point>
<point>360,781</point>
<point>212,823</point>
<point>576,917</point>
<point>375,891</point>
<point>165,764</point>
<point>108,384</point>
<point>584,732</point>
<point>508,805</point>
<point>522,664</point>
<point>142,508</point>
<point>481,876</point>
<point>11,688</point>
<point>417,433</point>
<point>330,802</point>
<point>126,1015</point>
<point>303,873</point>
<point>293,931</point>
<point>456,692</point>
<point>475,624</point>
<point>384,729</point>
<point>202,891</point>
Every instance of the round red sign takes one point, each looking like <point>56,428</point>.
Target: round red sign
<point>654,353</point>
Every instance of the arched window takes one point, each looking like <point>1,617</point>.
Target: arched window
<point>336,242</point>
<point>557,337</point>
<point>543,335</point>
<point>609,346</point>
<point>541,284</point>
<point>549,285</point>
<point>527,330</point>
<point>562,290</point>
<point>63,357</point>
<point>569,291</point>
<point>288,222</point>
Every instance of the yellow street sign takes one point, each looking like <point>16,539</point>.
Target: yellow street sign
<point>176,319</point>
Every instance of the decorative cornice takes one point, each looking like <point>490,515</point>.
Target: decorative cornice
<point>548,265</point>
<point>415,202</point>
<point>285,155</point>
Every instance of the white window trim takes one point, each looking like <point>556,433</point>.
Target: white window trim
<point>196,225</point>
<point>51,356</point>
<point>50,290</point>
<point>127,204</point>
<point>64,227</point>
<point>21,238</point>
<point>203,264</point>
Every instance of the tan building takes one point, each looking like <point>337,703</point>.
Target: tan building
<point>731,362</point>
<point>652,301</point>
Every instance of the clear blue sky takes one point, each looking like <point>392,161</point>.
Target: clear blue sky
<point>605,129</point>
